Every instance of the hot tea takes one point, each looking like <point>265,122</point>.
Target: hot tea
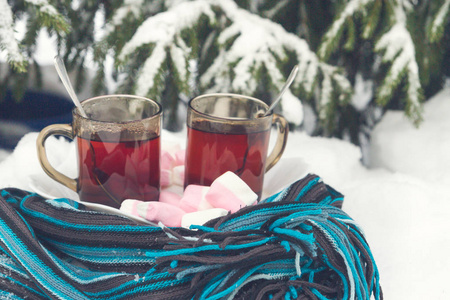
<point>118,143</point>
<point>230,132</point>
<point>212,154</point>
<point>112,171</point>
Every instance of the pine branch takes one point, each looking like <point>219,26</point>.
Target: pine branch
<point>8,42</point>
<point>167,32</point>
<point>247,45</point>
<point>372,18</point>
<point>325,105</point>
<point>332,37</point>
<point>436,31</point>
<point>275,9</point>
<point>259,44</point>
<point>397,48</point>
<point>335,91</point>
<point>351,32</point>
<point>238,51</point>
<point>43,15</point>
<point>30,38</point>
<point>395,45</point>
<point>49,16</point>
<point>149,81</point>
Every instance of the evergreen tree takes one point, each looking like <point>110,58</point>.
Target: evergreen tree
<point>37,15</point>
<point>173,50</point>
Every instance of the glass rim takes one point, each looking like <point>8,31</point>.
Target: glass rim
<point>230,95</point>
<point>75,110</point>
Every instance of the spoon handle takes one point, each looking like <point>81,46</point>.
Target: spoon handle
<point>283,90</point>
<point>62,72</point>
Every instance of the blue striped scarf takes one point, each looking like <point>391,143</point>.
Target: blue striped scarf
<point>297,244</point>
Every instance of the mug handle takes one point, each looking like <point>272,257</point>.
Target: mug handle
<point>56,129</point>
<point>280,144</point>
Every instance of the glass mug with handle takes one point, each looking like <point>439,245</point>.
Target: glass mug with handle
<point>118,149</point>
<point>229,132</point>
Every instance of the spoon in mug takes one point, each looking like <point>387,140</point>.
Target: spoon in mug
<point>62,72</point>
<point>283,90</point>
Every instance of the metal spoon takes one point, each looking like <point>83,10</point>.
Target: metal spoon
<point>283,90</point>
<point>62,72</point>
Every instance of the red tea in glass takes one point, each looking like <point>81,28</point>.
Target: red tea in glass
<point>228,132</point>
<point>217,153</point>
<point>118,149</point>
<point>113,170</point>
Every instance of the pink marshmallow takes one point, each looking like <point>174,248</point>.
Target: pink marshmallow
<point>168,214</point>
<point>167,160</point>
<point>170,146</point>
<point>169,198</point>
<point>180,156</point>
<point>230,192</point>
<point>130,206</point>
<point>166,178</point>
<point>178,175</point>
<point>194,198</point>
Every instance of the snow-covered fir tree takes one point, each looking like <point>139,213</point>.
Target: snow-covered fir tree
<point>356,57</point>
<point>38,14</point>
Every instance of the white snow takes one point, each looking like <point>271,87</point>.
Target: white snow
<point>440,18</point>
<point>3,154</point>
<point>424,153</point>
<point>402,202</point>
<point>363,93</point>
<point>44,6</point>
<point>292,108</point>
<point>8,40</point>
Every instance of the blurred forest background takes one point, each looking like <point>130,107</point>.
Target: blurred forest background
<point>357,58</point>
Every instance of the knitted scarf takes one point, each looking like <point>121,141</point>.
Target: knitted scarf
<point>296,244</point>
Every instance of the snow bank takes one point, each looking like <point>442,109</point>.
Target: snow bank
<point>3,154</point>
<point>424,152</point>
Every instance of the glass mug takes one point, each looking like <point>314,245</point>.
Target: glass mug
<point>228,132</point>
<point>118,149</point>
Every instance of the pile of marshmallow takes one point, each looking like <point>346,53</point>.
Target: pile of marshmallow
<point>196,204</point>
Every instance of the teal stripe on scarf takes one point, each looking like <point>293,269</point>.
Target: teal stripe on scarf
<point>31,262</point>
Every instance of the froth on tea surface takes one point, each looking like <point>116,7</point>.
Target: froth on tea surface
<point>113,169</point>
<point>108,109</point>
<point>215,153</point>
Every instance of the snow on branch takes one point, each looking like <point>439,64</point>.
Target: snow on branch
<point>437,27</point>
<point>398,49</point>
<point>133,7</point>
<point>257,44</point>
<point>246,48</point>
<point>8,42</point>
<point>49,15</point>
<point>334,34</point>
<point>163,31</point>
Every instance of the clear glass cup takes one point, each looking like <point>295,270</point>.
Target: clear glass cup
<point>118,149</point>
<point>229,132</point>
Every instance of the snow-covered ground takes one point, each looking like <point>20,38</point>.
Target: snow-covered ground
<point>402,202</point>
